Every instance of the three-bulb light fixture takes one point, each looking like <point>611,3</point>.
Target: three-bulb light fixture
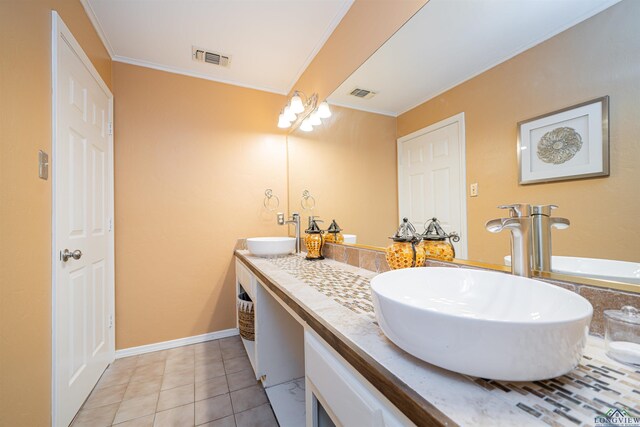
<point>305,111</point>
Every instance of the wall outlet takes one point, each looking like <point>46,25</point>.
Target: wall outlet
<point>473,190</point>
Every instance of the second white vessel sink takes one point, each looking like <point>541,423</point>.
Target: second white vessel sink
<point>597,268</point>
<point>271,246</point>
<point>481,323</point>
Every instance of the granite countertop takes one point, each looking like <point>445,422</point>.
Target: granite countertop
<point>336,300</point>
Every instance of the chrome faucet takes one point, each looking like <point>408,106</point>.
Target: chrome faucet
<point>295,219</point>
<point>520,224</point>
<point>542,224</point>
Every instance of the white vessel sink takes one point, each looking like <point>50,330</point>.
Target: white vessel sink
<point>271,246</point>
<point>481,323</point>
<point>605,269</point>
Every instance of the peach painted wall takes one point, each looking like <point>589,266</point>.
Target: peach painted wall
<point>25,207</point>
<point>192,161</point>
<point>365,27</point>
<point>598,57</point>
<point>348,165</point>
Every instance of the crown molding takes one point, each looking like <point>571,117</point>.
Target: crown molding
<point>96,25</point>
<point>176,70</point>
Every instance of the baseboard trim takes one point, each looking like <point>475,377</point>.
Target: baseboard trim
<point>165,345</point>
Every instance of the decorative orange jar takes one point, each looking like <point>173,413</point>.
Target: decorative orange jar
<point>334,234</point>
<point>314,241</point>
<point>405,251</point>
<point>435,244</point>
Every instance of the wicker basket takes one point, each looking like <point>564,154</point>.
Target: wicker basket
<point>246,316</point>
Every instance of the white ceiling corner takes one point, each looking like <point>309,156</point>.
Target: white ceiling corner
<point>96,24</point>
<point>271,42</point>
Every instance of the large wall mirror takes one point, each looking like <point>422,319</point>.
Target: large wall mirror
<point>433,129</point>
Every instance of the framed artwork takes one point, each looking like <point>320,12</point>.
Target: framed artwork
<point>571,143</point>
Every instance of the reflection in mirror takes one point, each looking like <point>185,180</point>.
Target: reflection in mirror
<point>347,163</point>
<point>469,72</point>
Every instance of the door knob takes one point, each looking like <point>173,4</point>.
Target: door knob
<point>66,254</point>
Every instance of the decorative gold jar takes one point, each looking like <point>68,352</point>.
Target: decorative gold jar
<point>314,241</point>
<point>334,234</point>
<point>435,244</point>
<point>405,251</point>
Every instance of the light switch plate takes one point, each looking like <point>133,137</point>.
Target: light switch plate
<point>473,190</point>
<point>43,165</point>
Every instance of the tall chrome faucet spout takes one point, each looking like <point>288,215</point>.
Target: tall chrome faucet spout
<point>295,220</point>
<point>495,225</point>
<point>519,223</point>
<point>521,257</point>
<point>542,223</point>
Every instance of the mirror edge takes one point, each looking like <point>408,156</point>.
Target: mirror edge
<point>576,280</point>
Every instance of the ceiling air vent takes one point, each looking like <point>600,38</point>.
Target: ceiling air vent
<point>362,93</point>
<point>202,55</point>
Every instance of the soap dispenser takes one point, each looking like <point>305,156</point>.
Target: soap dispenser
<point>334,234</point>
<point>405,251</point>
<point>435,244</point>
<point>314,240</point>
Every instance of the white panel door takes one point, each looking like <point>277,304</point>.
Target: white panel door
<point>83,199</point>
<point>431,178</point>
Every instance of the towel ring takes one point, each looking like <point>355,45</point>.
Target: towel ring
<point>308,202</point>
<point>268,195</point>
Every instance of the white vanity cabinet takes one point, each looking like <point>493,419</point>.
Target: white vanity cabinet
<point>277,354</point>
<point>307,382</point>
<point>337,395</point>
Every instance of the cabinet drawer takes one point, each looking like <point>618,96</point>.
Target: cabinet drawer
<point>347,397</point>
<point>246,280</point>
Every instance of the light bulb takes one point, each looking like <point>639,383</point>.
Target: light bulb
<point>296,104</point>
<point>289,115</point>
<point>323,110</point>
<point>306,126</point>
<point>314,119</point>
<point>283,123</point>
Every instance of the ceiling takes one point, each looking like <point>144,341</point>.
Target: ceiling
<point>450,41</point>
<point>270,42</point>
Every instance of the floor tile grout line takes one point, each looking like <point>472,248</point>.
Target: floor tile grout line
<point>155,411</point>
<point>233,411</point>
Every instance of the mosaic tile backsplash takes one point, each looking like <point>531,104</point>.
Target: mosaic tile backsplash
<point>576,399</point>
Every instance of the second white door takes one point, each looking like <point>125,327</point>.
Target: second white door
<point>431,178</point>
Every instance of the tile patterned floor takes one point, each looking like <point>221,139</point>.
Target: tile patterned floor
<point>209,384</point>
